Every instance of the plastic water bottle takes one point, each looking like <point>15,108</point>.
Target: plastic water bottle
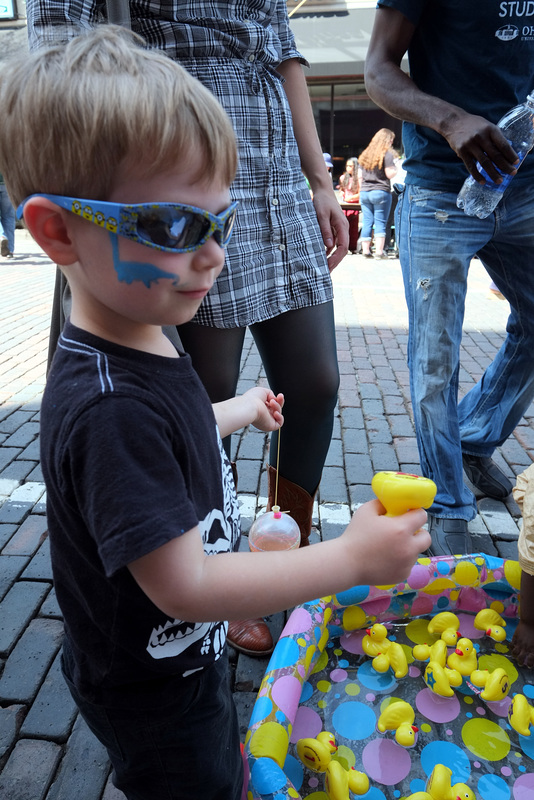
<point>479,200</point>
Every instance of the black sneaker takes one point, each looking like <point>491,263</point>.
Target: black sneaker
<point>486,476</point>
<point>450,537</point>
<point>4,247</point>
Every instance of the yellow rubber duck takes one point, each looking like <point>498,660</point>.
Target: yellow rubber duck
<point>446,625</point>
<point>399,716</point>
<point>393,657</point>
<point>435,652</point>
<point>438,787</point>
<point>521,715</point>
<point>441,679</point>
<point>316,754</point>
<point>338,782</point>
<point>375,641</point>
<point>492,623</point>
<point>464,659</point>
<point>496,684</point>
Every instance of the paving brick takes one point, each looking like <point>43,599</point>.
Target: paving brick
<point>14,512</point>
<point>29,770</point>
<point>10,722</point>
<point>28,538</point>
<point>40,566</point>
<point>30,660</point>
<point>53,710</point>
<point>84,769</point>
<point>16,610</point>
<point>6,532</point>
<point>10,568</point>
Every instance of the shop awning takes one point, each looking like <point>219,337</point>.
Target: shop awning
<point>334,43</point>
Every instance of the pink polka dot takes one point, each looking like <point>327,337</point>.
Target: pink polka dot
<point>338,675</point>
<point>370,697</point>
<point>524,786</point>
<point>414,672</point>
<point>506,771</point>
<point>481,711</point>
<point>386,762</point>
<point>437,708</point>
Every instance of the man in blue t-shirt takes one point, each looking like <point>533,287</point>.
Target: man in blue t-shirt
<point>468,66</point>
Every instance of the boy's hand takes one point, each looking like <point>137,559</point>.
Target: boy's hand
<point>269,408</point>
<point>522,647</point>
<point>384,549</point>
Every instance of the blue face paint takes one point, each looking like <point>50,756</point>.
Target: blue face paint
<point>130,271</point>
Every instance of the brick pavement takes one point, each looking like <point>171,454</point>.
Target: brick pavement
<point>46,751</point>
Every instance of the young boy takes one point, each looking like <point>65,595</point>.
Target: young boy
<point>142,510</point>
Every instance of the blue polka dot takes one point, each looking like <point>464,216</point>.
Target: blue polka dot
<point>451,756</point>
<point>353,596</point>
<point>528,690</point>
<point>493,787</point>
<point>377,681</point>
<point>417,785</point>
<point>443,568</point>
<point>307,691</point>
<point>294,770</point>
<point>343,662</point>
<point>286,653</point>
<point>354,720</point>
<point>262,708</point>
<point>267,777</point>
<point>443,602</point>
<point>527,745</point>
<point>372,794</point>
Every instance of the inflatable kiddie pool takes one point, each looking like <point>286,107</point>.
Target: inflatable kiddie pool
<point>319,679</point>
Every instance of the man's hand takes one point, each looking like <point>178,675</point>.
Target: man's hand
<point>474,139</point>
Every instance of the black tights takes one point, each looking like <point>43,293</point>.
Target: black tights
<point>298,351</point>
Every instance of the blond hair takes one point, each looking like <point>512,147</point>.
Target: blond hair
<point>373,155</point>
<point>73,113</point>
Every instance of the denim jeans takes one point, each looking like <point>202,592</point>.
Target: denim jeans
<point>436,244</point>
<point>375,210</point>
<point>7,218</point>
<point>185,749</point>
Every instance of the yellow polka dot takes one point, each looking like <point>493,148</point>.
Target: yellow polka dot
<point>438,586</point>
<point>497,606</point>
<point>354,618</point>
<point>425,727</point>
<point>491,661</point>
<point>317,796</point>
<point>270,740</point>
<point>338,652</point>
<point>485,739</point>
<point>468,700</point>
<point>292,793</point>
<point>321,704</point>
<point>302,642</point>
<point>466,573</point>
<point>345,756</point>
<point>417,632</point>
<point>321,662</point>
<point>352,689</point>
<point>512,573</point>
<point>324,686</point>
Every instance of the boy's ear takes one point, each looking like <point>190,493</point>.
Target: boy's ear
<point>49,226</point>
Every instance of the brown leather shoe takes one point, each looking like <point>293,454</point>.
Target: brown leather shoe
<point>250,636</point>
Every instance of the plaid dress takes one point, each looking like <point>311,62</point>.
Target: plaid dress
<point>276,259</point>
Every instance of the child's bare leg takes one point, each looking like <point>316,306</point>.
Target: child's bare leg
<point>523,639</point>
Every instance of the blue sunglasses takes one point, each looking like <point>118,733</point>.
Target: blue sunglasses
<point>171,227</point>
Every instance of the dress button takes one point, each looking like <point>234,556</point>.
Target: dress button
<point>252,57</point>
<point>275,201</point>
<point>282,247</point>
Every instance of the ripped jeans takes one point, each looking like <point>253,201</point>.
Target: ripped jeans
<point>436,244</point>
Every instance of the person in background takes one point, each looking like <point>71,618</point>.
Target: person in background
<point>350,193</point>
<point>376,168</point>
<point>451,101</point>
<point>7,222</point>
<point>276,278</point>
<point>329,164</point>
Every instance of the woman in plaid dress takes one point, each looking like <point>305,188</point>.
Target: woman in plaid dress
<point>276,278</point>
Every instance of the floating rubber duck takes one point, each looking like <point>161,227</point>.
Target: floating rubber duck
<point>435,652</point>
<point>440,679</point>
<point>399,716</point>
<point>316,754</point>
<point>447,625</point>
<point>338,782</point>
<point>492,623</point>
<point>384,652</point>
<point>438,787</point>
<point>393,657</point>
<point>496,684</point>
<point>521,715</point>
<point>376,640</point>
<point>464,659</point>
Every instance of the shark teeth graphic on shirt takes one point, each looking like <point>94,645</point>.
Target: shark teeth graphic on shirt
<point>176,636</point>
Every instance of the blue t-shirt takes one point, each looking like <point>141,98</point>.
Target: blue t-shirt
<point>477,56</point>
